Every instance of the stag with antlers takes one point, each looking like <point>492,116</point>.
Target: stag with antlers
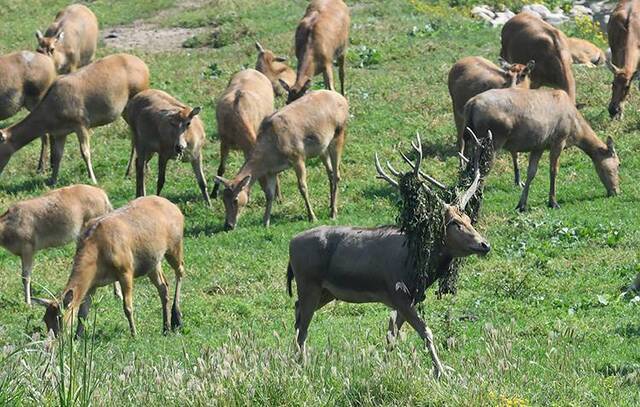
<point>370,265</point>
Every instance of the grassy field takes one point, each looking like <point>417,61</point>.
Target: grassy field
<point>540,321</point>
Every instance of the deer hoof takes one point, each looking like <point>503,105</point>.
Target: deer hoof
<point>554,205</point>
<point>521,208</point>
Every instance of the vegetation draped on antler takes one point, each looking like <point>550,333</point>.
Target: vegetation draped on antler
<point>421,215</point>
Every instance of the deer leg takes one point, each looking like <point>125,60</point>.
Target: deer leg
<point>328,76</point>
<point>44,146</point>
<point>307,304</point>
<point>301,173</point>
<point>196,164</point>
<point>57,151</point>
<point>117,291</point>
<point>335,153</point>
<point>224,154</point>
<point>534,158</point>
<point>554,164</point>
<point>27,267</point>
<point>83,313</point>
<point>162,172</point>
<point>175,258</point>
<point>409,313</point>
<point>396,321</point>
<point>140,167</point>
<point>85,150</point>
<point>278,190</point>
<point>131,160</point>
<point>159,281</point>
<point>341,61</point>
<point>268,184</point>
<point>516,169</point>
<point>126,282</point>
<point>326,160</point>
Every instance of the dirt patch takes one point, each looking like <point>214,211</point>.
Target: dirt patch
<point>148,35</point>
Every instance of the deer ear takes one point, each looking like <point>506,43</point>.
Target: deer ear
<point>611,145</point>
<point>39,36</point>
<point>284,85</point>
<point>281,59</point>
<point>3,137</point>
<point>530,65</point>
<point>306,86</point>
<point>41,301</point>
<point>259,47</point>
<point>68,297</point>
<point>60,36</point>
<point>221,181</point>
<point>504,64</point>
<point>196,111</point>
<point>241,185</point>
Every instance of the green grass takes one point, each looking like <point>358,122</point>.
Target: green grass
<point>539,321</point>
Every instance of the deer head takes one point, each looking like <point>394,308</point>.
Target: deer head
<point>516,74</point>
<point>620,86</point>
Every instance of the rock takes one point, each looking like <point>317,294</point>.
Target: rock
<point>580,10</point>
<point>539,9</point>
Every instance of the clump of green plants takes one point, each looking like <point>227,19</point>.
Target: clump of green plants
<point>220,37</point>
<point>365,57</point>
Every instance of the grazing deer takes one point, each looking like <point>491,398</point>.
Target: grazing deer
<point>127,243</point>
<point>533,121</point>
<point>585,53</point>
<point>89,97</point>
<point>322,36</point>
<point>51,220</point>
<point>312,126</point>
<point>471,76</point>
<point>361,265</point>
<point>26,77</point>
<point>246,102</point>
<point>274,68</point>
<point>624,40</point>
<point>71,40</point>
<point>162,124</point>
<point>527,37</point>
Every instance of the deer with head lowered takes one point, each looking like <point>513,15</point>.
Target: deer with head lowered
<point>274,68</point>
<point>361,265</point>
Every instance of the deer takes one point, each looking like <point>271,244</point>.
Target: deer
<point>585,53</point>
<point>527,37</point>
<point>162,124</point>
<point>322,36</point>
<point>245,103</point>
<point>524,120</point>
<point>373,265</point>
<point>92,96</point>
<point>624,40</point>
<point>471,76</point>
<point>312,126</point>
<point>71,40</point>
<point>51,220</point>
<point>274,68</point>
<point>26,78</point>
<point>127,243</point>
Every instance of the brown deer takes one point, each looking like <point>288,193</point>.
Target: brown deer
<point>274,68</point>
<point>71,40</point>
<point>127,243</point>
<point>26,78</point>
<point>322,36</point>
<point>312,126</point>
<point>624,40</point>
<point>527,37</point>
<point>245,103</point>
<point>585,53</point>
<point>533,121</point>
<point>162,124</point>
<point>361,265</point>
<point>51,220</point>
<point>90,97</point>
<point>471,76</point>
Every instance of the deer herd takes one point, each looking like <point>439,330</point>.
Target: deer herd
<point>66,91</point>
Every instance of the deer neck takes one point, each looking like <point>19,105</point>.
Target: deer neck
<point>25,131</point>
<point>306,69</point>
<point>83,275</point>
<point>587,140</point>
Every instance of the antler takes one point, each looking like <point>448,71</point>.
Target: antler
<point>416,166</point>
<point>464,198</point>
<point>383,175</point>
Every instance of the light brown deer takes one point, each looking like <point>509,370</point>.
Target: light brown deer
<point>51,220</point>
<point>26,77</point>
<point>322,36</point>
<point>624,40</point>
<point>471,76</point>
<point>533,121</point>
<point>245,103</point>
<point>312,126</point>
<point>90,97</point>
<point>127,243</point>
<point>585,53</point>
<point>162,124</point>
<point>71,40</point>
<point>274,68</point>
<point>361,265</point>
<point>527,37</point>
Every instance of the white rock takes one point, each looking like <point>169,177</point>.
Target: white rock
<point>539,9</point>
<point>481,11</point>
<point>579,10</point>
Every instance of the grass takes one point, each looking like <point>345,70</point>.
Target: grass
<point>539,321</point>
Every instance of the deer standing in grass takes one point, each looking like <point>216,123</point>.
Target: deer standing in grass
<point>471,76</point>
<point>127,243</point>
<point>275,69</point>
<point>92,96</point>
<point>361,265</point>
<point>312,126</point>
<point>162,124</point>
<point>534,121</point>
<point>51,220</point>
<point>322,36</point>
